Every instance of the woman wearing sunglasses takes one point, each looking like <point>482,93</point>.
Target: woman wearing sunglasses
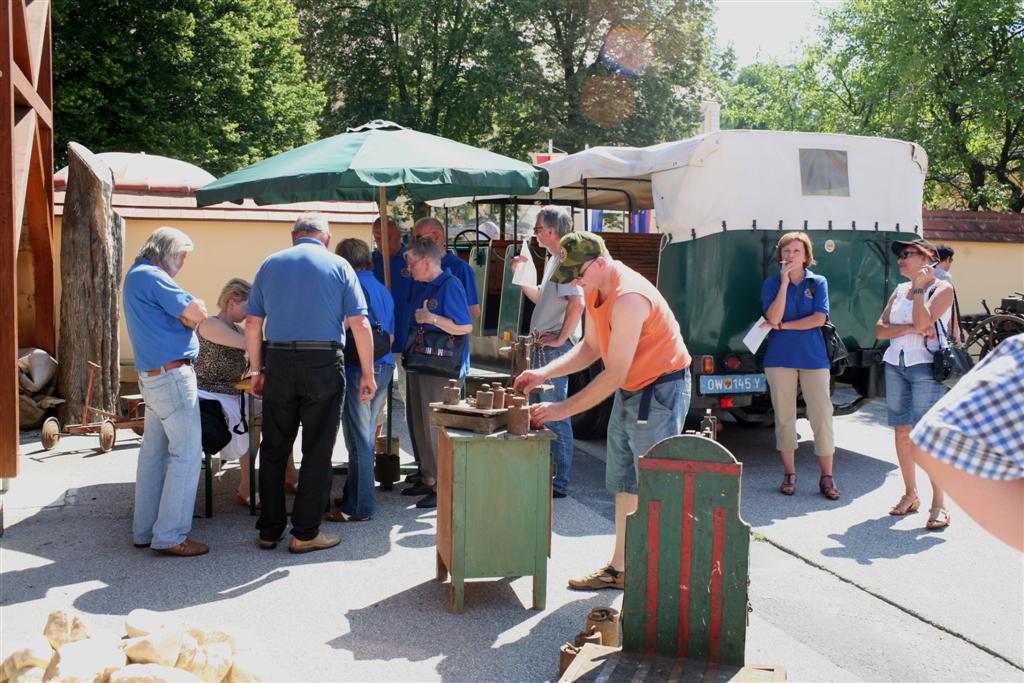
<point>914,321</point>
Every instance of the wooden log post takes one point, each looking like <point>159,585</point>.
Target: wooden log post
<point>687,554</point>
<point>92,246</point>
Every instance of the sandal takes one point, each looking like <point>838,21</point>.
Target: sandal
<point>788,486</point>
<point>605,577</point>
<point>905,505</point>
<point>938,518</point>
<point>827,486</point>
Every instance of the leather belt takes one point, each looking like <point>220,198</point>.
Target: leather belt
<point>648,391</point>
<point>305,345</point>
<point>169,366</point>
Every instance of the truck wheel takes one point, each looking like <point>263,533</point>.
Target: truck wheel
<point>591,423</point>
<point>50,433</point>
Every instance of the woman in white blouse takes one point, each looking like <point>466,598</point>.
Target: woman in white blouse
<point>914,321</point>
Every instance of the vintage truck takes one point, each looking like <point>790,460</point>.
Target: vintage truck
<point>721,201</point>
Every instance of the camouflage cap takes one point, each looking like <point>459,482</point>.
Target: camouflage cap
<point>575,250</point>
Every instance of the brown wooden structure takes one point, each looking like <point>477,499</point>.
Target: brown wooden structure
<point>26,195</point>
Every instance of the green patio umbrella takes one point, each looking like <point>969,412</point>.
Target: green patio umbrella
<point>380,154</point>
<point>376,162</point>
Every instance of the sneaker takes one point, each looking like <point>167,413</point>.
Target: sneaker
<point>321,541</point>
<point>605,577</point>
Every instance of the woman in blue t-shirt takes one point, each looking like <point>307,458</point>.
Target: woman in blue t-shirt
<point>795,304</point>
<point>437,302</point>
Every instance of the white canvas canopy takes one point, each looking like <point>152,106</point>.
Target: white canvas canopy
<point>737,177</point>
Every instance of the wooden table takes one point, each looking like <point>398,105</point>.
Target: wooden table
<point>493,508</point>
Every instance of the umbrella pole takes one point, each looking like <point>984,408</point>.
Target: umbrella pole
<point>385,253</point>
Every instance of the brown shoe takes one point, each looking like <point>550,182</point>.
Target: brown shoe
<point>187,548</point>
<point>827,486</point>
<point>605,577</point>
<point>321,541</point>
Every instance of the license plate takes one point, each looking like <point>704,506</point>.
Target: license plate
<point>733,384</point>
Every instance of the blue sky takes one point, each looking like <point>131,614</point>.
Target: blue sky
<point>761,30</point>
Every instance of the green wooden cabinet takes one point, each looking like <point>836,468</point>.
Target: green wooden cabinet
<point>493,508</point>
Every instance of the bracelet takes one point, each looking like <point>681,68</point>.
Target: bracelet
<point>434,321</point>
<point>255,373</point>
<point>917,290</point>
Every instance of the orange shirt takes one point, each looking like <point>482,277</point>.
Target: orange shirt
<point>661,348</point>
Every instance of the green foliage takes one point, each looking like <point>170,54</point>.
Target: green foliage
<point>511,75</point>
<point>947,74</point>
<point>219,83</point>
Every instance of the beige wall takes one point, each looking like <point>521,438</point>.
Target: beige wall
<point>986,270</point>
<point>223,250</point>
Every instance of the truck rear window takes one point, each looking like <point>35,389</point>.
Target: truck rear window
<point>824,172</point>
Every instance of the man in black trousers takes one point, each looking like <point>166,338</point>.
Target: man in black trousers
<point>306,295</point>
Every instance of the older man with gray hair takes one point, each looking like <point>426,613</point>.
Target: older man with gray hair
<point>556,319</point>
<point>306,295</point>
<point>161,319</point>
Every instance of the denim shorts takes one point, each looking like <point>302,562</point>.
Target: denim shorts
<point>629,439</point>
<point>910,392</point>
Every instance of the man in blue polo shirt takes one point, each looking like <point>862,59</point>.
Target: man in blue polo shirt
<point>161,317</point>
<point>401,283</point>
<point>306,294</point>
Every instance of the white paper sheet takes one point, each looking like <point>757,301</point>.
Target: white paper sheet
<point>755,337</point>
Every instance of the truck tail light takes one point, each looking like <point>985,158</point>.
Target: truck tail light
<point>707,364</point>
<point>732,362</point>
<point>727,402</point>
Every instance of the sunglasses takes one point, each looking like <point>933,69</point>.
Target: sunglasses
<point>907,253</point>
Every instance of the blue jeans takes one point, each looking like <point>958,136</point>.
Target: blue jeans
<point>910,392</point>
<point>562,446</point>
<point>170,458</point>
<point>359,426</point>
<point>628,439</point>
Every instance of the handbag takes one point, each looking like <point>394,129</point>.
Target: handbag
<point>215,432</point>
<point>835,347</point>
<point>434,352</point>
<point>381,339</point>
<point>949,362</point>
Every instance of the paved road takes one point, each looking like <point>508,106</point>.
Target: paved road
<point>840,590</point>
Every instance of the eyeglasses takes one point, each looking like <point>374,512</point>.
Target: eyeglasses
<point>584,269</point>
<point>907,253</point>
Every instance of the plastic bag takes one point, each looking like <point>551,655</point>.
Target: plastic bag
<point>526,274</point>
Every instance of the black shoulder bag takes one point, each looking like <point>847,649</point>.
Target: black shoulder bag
<point>949,362</point>
<point>434,352</point>
<point>835,347</point>
<point>381,339</point>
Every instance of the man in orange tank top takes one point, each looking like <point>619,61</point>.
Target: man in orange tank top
<point>630,327</point>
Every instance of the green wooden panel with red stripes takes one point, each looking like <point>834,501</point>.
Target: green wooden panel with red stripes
<point>687,555</point>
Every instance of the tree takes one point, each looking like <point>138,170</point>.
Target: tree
<point>450,67</point>
<point>219,83</point>
<point>947,74</point>
<point>622,72</point>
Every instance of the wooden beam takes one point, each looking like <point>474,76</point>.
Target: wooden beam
<point>39,214</point>
<point>37,14</point>
<point>25,94</point>
<point>19,34</point>
<point>9,436</point>
<point>24,135</point>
